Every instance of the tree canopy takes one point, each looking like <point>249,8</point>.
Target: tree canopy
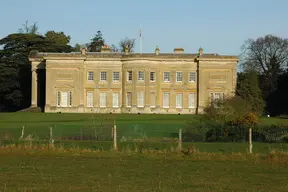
<point>96,42</point>
<point>129,43</point>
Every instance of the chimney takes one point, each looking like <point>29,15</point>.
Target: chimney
<point>157,50</point>
<point>178,50</point>
<point>83,50</point>
<point>200,51</point>
<point>126,49</point>
<point>105,49</point>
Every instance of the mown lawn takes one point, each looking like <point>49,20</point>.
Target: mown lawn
<point>22,170</point>
<point>77,124</point>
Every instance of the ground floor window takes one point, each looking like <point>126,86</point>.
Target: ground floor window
<point>140,99</point>
<point>191,100</point>
<point>115,99</point>
<point>102,99</point>
<point>179,100</point>
<point>152,99</point>
<point>89,99</point>
<point>64,99</point>
<point>166,98</point>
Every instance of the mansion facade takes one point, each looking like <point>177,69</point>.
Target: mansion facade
<point>112,82</point>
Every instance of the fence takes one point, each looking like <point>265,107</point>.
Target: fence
<point>100,134</point>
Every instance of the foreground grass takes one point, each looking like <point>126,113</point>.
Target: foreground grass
<point>25,169</point>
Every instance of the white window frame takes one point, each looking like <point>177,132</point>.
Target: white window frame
<point>190,76</point>
<point>166,95</point>
<point>102,75</point>
<point>141,75</point>
<point>90,99</point>
<point>179,100</point>
<point>220,96</point>
<point>60,98</point>
<point>179,76</point>
<point>152,99</point>
<point>169,76</point>
<point>153,75</point>
<point>103,95</point>
<point>115,100</point>
<point>129,76</point>
<point>115,79</point>
<point>140,99</point>
<point>191,100</point>
<point>90,76</point>
<point>128,104</point>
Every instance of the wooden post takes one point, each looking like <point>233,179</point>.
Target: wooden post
<point>180,140</point>
<point>115,138</point>
<point>22,134</point>
<point>51,142</point>
<point>250,141</point>
<point>112,132</point>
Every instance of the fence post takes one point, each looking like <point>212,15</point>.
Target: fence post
<point>22,134</point>
<point>250,141</point>
<point>115,137</point>
<point>180,140</point>
<point>51,142</point>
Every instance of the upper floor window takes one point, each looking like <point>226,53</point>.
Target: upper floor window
<point>129,75</point>
<point>116,76</point>
<point>166,76</point>
<point>90,76</point>
<point>141,75</point>
<point>152,76</point>
<point>192,77</point>
<point>179,76</point>
<point>103,76</point>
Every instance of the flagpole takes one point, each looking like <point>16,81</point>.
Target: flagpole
<point>140,39</point>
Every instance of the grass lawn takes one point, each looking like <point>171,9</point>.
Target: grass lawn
<point>23,170</point>
<point>128,125</point>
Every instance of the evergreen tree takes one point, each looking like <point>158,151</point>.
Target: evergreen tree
<point>248,89</point>
<point>96,43</point>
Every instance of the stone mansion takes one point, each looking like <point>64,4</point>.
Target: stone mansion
<point>113,82</point>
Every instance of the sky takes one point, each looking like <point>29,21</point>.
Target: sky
<point>217,26</point>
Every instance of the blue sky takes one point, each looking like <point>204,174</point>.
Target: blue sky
<point>218,26</point>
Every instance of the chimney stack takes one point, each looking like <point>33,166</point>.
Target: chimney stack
<point>178,50</point>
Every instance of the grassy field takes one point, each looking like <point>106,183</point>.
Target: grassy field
<point>128,125</point>
<point>27,170</point>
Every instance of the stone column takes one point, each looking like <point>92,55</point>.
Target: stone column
<point>34,88</point>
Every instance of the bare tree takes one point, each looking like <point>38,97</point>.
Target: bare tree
<point>129,43</point>
<point>114,48</point>
<point>268,56</point>
<point>32,29</point>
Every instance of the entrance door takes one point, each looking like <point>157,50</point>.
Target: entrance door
<point>64,99</point>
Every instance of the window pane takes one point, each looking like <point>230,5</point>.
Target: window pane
<point>179,100</point>
<point>90,99</point>
<point>115,99</point>
<point>116,76</point>
<point>191,100</point>
<point>178,76</point>
<point>102,99</point>
<point>166,97</point>
<point>129,75</point>
<point>140,99</point>
<point>90,76</point>
<point>103,76</point>
<point>166,76</point>
<point>141,75</point>
<point>192,76</point>
<point>152,76</point>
